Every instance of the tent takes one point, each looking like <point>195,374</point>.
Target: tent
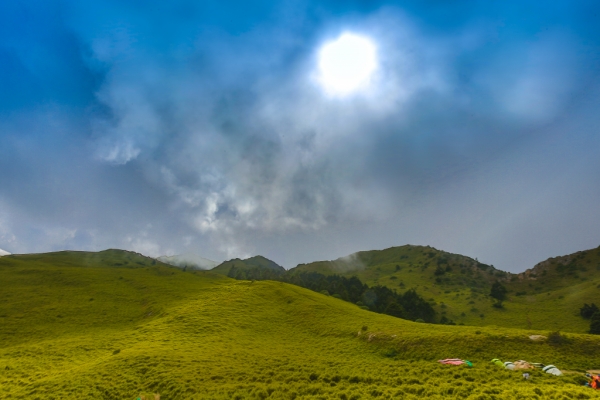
<point>521,364</point>
<point>551,369</point>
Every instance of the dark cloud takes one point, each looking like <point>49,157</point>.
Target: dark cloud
<point>199,127</point>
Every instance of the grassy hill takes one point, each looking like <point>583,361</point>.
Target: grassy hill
<point>249,263</point>
<point>560,272</point>
<point>546,297</point>
<point>419,265</point>
<point>79,325</point>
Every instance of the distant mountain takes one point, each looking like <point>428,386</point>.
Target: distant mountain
<point>410,265</point>
<point>104,258</point>
<point>4,253</point>
<point>561,272</point>
<point>249,263</point>
<point>189,260</point>
<point>549,295</point>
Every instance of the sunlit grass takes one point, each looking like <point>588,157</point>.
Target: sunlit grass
<point>70,330</point>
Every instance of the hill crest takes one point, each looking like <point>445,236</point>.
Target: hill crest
<point>248,263</point>
<point>188,260</point>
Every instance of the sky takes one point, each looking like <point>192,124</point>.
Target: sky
<point>211,128</point>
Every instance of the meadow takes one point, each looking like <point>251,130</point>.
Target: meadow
<point>115,325</point>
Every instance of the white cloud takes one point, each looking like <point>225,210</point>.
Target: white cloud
<point>119,152</point>
<point>143,243</point>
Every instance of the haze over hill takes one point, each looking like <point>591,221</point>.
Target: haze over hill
<point>189,260</point>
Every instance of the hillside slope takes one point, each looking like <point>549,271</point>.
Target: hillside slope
<point>419,265</point>
<point>547,297</point>
<point>72,332</point>
<point>560,272</point>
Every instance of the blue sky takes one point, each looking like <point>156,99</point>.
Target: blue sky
<point>173,127</point>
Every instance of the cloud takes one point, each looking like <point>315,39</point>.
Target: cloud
<point>189,127</point>
<point>261,152</point>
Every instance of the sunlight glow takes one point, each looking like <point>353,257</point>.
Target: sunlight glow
<point>346,64</point>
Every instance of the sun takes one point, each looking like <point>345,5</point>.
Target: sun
<point>346,64</point>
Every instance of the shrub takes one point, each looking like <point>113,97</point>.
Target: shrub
<point>391,353</point>
<point>498,292</point>
<point>595,323</point>
<point>556,339</point>
<point>587,311</point>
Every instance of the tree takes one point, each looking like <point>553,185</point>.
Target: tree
<point>588,310</point>
<point>395,310</point>
<point>595,323</point>
<point>498,292</point>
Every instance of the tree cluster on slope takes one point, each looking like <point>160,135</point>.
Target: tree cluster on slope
<point>380,299</point>
<point>591,312</point>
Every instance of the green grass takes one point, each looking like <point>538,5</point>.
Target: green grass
<point>75,325</point>
<point>548,297</point>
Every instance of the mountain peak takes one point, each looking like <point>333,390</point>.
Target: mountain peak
<point>252,262</point>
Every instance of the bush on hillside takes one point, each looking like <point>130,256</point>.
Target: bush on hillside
<point>595,323</point>
<point>557,339</point>
<point>498,292</point>
<point>587,311</point>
